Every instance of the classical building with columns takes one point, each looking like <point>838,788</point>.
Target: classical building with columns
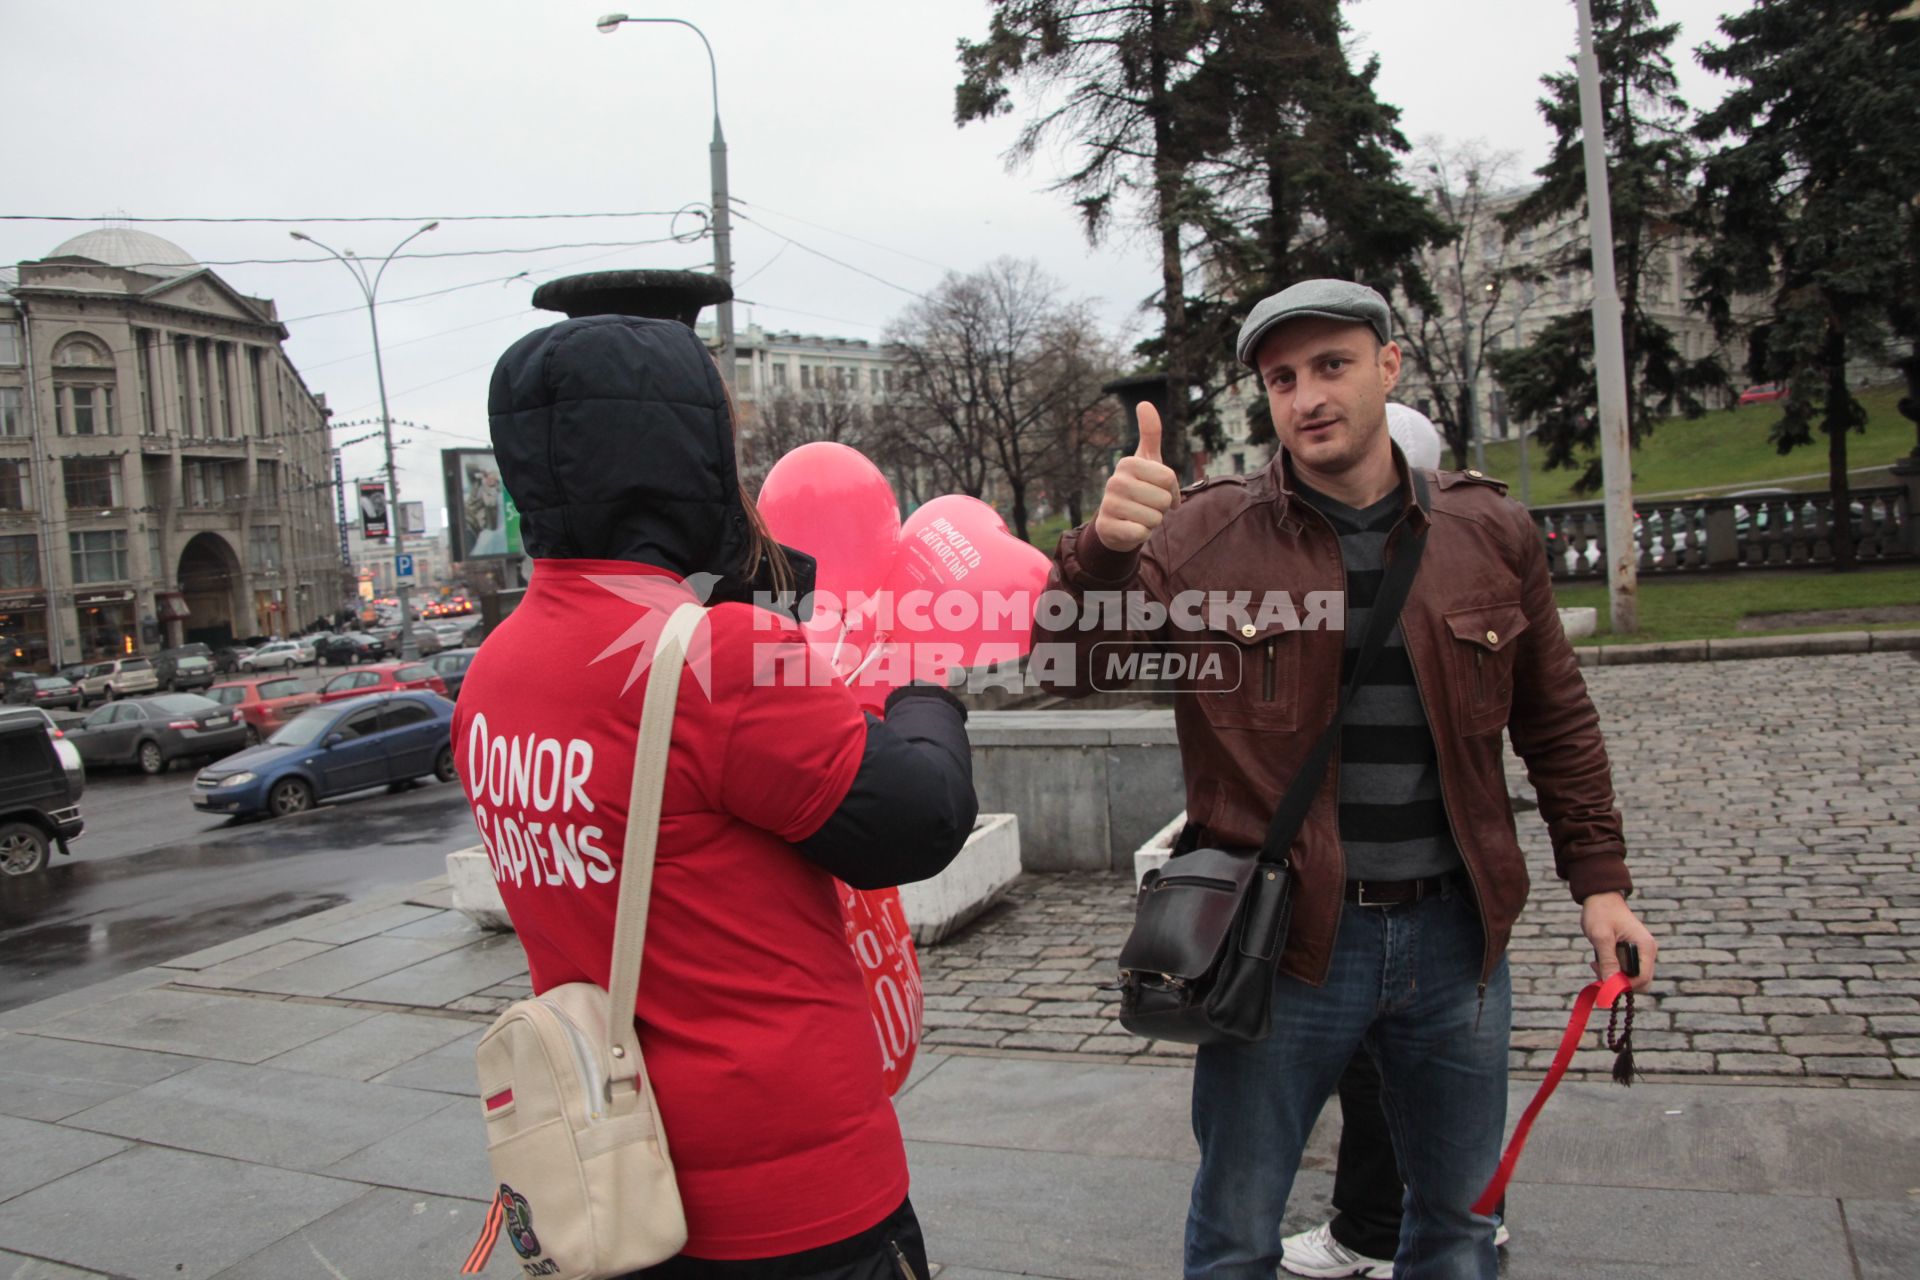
<point>164,471</point>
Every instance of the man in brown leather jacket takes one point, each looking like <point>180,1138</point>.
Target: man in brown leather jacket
<point>1408,876</point>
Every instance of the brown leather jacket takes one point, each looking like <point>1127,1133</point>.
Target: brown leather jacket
<point>1487,650</point>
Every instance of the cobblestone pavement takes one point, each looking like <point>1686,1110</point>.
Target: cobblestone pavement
<point>1773,817</point>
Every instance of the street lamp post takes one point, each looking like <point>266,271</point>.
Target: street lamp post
<point>1609,354</point>
<point>722,216</point>
<point>370,288</point>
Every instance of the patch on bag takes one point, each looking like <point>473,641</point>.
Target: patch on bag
<point>519,1223</point>
<point>499,1100</point>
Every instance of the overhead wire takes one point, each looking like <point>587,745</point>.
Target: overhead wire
<point>368,217</point>
<point>821,226</point>
<point>807,248</point>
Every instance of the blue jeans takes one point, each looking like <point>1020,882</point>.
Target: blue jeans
<point>1403,984</point>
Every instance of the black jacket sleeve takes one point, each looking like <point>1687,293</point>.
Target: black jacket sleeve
<point>911,805</point>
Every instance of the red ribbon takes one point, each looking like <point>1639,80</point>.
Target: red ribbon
<point>1592,994</point>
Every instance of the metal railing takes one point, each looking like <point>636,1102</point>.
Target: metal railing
<point>1757,531</point>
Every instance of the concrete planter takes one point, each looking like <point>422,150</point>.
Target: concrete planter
<point>475,895</point>
<point>1579,623</point>
<point>974,881</point>
<point>1153,855</point>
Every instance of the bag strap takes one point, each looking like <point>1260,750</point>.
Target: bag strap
<point>643,815</point>
<point>1394,588</point>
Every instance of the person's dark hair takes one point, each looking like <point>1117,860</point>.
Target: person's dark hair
<point>761,546</point>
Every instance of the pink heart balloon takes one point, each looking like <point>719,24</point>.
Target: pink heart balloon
<point>828,500</point>
<point>961,580</point>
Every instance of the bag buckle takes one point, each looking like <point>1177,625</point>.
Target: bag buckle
<point>1360,896</point>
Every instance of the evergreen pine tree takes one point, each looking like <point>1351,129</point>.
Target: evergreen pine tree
<point>1550,382</point>
<point>1809,204</point>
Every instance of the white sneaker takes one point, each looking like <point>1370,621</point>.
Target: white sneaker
<point>1317,1253</point>
<point>1500,1235</point>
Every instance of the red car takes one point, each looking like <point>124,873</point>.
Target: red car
<point>1764,392</point>
<point>382,677</point>
<point>264,702</point>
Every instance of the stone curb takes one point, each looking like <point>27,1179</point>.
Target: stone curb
<point>1744,647</point>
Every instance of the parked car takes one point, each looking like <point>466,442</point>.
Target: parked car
<point>154,732</point>
<point>385,740</point>
<point>76,672</point>
<point>451,666</point>
<point>277,655</point>
<point>39,795</point>
<point>226,659</point>
<point>118,678</point>
<point>265,703</point>
<point>166,663</point>
<point>62,745</point>
<point>26,690</point>
<point>426,640</point>
<point>349,647</point>
<point>1762,393</point>
<point>188,673</point>
<point>382,677</point>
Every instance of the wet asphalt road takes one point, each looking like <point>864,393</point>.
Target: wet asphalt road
<point>152,879</point>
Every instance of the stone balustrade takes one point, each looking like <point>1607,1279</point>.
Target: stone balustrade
<point>1758,531</point>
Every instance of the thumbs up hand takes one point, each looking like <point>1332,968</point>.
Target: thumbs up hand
<point>1139,493</point>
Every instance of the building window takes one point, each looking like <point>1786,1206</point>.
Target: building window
<point>206,483</point>
<point>203,367</point>
<point>1239,464</point>
<point>19,562</point>
<point>263,547</point>
<point>92,483</point>
<point>806,376</point>
<point>780,374</point>
<point>223,384</point>
<point>9,343</point>
<point>143,340</point>
<point>99,555</point>
<point>13,415</point>
<point>266,487</point>
<point>888,380</point>
<point>13,485</point>
<point>744,371</point>
<point>82,410</point>
<point>156,561</point>
<point>259,392</point>
<point>181,364</point>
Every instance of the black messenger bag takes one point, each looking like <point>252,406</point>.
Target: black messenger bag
<point>1209,926</point>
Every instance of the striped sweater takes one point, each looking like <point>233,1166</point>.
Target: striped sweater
<point>1393,821</point>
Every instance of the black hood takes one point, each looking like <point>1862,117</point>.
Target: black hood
<point>613,437</point>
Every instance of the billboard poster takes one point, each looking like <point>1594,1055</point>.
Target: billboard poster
<point>413,519</point>
<point>373,510</point>
<point>482,522</point>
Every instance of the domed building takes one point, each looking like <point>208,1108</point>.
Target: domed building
<point>164,471</point>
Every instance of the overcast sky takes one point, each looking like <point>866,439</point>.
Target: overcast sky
<point>838,116</point>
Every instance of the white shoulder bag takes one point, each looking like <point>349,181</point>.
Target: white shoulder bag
<point>586,1186</point>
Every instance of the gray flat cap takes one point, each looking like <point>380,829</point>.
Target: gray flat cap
<point>1327,299</point>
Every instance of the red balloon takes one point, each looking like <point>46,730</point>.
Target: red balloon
<point>962,582</point>
<point>883,947</point>
<point>828,500</point>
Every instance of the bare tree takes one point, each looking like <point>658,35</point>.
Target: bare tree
<point>992,362</point>
<point>782,420</point>
<point>1085,422</point>
<point>1474,277</point>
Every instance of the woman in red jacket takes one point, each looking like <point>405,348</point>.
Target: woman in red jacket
<point>614,436</point>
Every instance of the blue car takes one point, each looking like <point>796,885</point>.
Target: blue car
<point>375,741</point>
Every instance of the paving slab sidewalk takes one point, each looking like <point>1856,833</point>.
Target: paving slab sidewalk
<point>299,1103</point>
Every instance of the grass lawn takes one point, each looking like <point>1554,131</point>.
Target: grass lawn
<point>1725,447</point>
<point>1710,608</point>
